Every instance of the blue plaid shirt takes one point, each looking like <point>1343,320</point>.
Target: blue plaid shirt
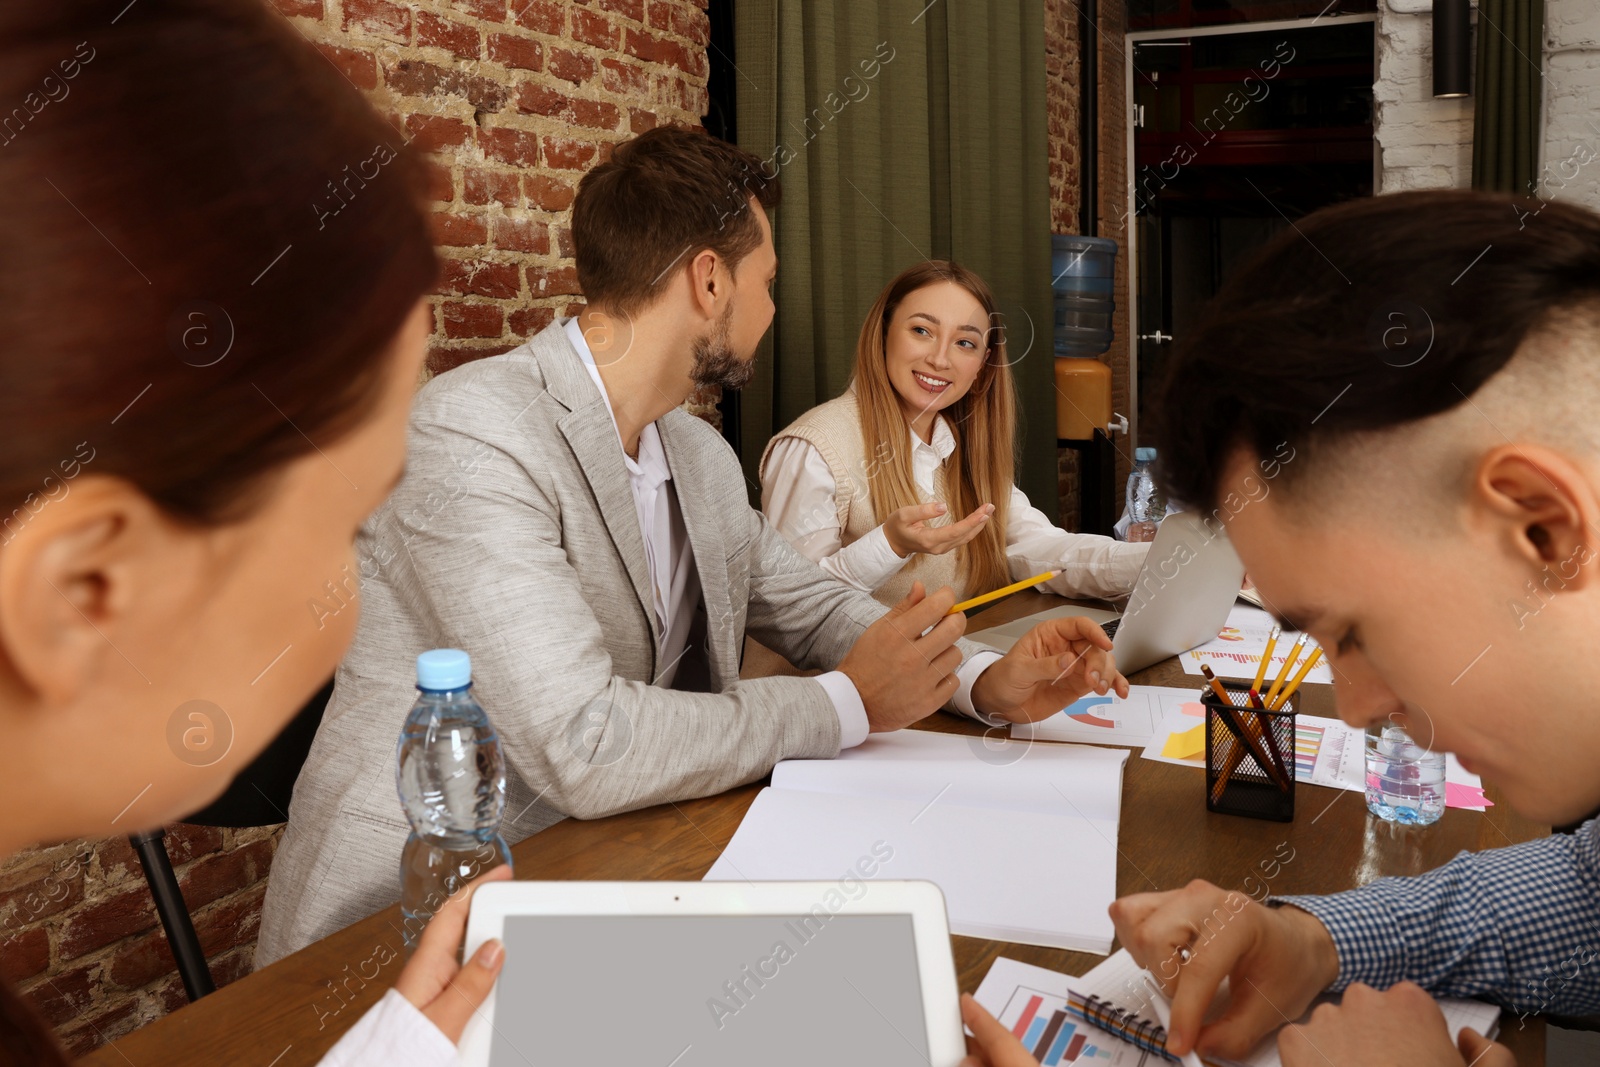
<point>1517,926</point>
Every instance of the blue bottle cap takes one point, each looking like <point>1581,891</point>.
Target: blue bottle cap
<point>1144,455</point>
<point>442,669</point>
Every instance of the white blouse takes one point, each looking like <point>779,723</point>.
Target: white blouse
<point>393,1033</point>
<point>797,494</point>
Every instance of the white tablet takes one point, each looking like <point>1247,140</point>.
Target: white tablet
<point>716,974</point>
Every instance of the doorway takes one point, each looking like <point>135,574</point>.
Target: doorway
<point>1235,131</point>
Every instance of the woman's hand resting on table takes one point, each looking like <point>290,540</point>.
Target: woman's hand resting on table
<point>445,991</point>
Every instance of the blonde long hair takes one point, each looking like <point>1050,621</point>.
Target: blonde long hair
<point>981,469</point>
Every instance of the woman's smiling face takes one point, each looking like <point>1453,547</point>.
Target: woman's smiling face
<point>937,340</point>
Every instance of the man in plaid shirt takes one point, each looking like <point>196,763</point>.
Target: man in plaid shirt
<point>1433,361</point>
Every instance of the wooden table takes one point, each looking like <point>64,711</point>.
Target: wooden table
<point>290,1013</point>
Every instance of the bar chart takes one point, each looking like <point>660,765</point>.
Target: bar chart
<point>1040,1021</point>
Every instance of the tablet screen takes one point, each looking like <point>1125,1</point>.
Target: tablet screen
<point>707,991</point>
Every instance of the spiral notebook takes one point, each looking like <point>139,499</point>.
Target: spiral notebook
<point>1114,1016</point>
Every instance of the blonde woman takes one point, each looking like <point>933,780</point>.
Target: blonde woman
<point>863,484</point>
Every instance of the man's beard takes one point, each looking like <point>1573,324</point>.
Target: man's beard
<point>716,363</point>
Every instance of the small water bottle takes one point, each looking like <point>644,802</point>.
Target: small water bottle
<point>452,783</point>
<point>1147,504</point>
<point>1405,782</point>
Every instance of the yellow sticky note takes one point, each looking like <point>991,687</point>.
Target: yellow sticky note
<point>1186,744</point>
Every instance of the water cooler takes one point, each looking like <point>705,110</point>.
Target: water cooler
<point>1083,269</point>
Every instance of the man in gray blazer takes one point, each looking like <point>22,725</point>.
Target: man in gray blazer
<point>592,546</point>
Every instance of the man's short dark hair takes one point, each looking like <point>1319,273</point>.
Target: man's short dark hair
<point>1366,316</point>
<point>660,200</point>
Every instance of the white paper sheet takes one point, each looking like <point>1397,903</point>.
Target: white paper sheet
<point>1186,718</point>
<point>1332,753</point>
<point>1112,720</point>
<point>983,772</point>
<point>1236,651</point>
<point>1006,875</point>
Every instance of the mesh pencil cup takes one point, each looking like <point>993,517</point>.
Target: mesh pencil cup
<point>1249,756</point>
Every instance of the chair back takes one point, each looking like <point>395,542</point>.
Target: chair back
<point>260,795</point>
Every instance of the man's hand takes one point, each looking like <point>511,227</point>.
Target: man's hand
<point>903,673</point>
<point>991,1045</point>
<point>1276,961</point>
<point>448,992</point>
<point>907,529</point>
<point>1400,1026</point>
<point>1056,663</point>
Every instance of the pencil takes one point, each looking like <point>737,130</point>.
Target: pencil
<point>1014,587</point>
<point>1257,739</point>
<point>1272,767</point>
<point>1273,770</point>
<point>1294,654</point>
<point>1249,731</point>
<point>1266,658</point>
<point>1235,757</point>
<point>1299,676</point>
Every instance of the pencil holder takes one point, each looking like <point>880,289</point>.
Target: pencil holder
<point>1249,756</point>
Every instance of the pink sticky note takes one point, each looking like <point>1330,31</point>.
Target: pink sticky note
<point>1194,708</point>
<point>1457,795</point>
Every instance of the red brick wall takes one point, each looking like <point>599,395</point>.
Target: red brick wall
<point>1061,117</point>
<point>1061,111</point>
<point>515,98</point>
<point>80,939</point>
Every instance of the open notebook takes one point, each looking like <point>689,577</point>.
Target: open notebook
<point>1046,1010</point>
<point>1022,839</point>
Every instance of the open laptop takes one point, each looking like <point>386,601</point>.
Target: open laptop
<point>717,974</point>
<point>1181,599</point>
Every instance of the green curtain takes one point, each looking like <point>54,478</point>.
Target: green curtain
<point>903,131</point>
<point>1506,134</point>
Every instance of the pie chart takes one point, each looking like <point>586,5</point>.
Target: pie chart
<point>1079,711</point>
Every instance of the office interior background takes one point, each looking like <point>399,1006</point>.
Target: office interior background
<point>1186,131</point>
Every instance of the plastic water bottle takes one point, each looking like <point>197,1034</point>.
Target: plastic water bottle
<point>1147,504</point>
<point>452,783</point>
<point>1405,782</point>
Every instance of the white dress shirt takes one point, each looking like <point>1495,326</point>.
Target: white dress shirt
<point>393,1033</point>
<point>673,578</point>
<point>797,494</point>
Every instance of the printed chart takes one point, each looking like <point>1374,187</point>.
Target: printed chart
<point>1112,720</point>
<point>1236,651</point>
<point>1332,753</point>
<point>1040,1022</point>
<point>1031,1002</point>
<point>1327,752</point>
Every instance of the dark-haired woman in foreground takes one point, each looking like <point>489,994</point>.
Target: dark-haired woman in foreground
<point>209,355</point>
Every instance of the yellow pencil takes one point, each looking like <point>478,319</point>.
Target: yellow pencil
<point>1266,658</point>
<point>1299,676</point>
<point>1014,587</point>
<point>1294,654</point>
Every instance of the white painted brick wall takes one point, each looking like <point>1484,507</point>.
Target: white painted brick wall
<point>1427,143</point>
<point>1423,143</point>
<point>1571,169</point>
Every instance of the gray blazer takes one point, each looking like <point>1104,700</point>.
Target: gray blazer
<point>514,536</point>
